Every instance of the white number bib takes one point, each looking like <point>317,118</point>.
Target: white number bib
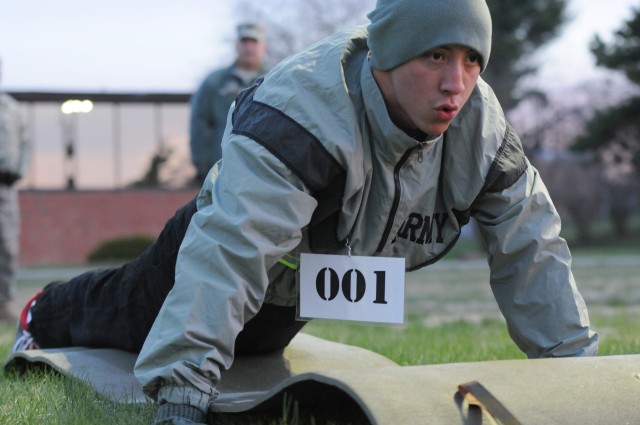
<point>365,289</point>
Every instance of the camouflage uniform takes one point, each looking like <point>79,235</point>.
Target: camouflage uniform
<point>14,159</point>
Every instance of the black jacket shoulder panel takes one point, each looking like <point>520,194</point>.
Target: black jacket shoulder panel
<point>509,164</point>
<point>303,154</point>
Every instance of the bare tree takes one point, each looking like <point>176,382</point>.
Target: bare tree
<point>583,186</point>
<point>294,24</point>
<point>552,122</point>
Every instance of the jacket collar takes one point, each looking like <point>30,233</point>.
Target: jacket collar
<point>389,140</point>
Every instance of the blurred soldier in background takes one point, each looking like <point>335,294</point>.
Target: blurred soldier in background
<point>14,159</point>
<point>210,103</point>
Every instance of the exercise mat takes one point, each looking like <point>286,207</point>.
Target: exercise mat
<point>324,375</point>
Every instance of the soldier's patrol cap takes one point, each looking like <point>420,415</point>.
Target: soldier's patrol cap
<point>251,31</point>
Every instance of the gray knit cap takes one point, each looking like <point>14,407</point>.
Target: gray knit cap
<point>401,30</point>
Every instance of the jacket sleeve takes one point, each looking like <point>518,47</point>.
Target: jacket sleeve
<point>530,263</point>
<point>256,216</point>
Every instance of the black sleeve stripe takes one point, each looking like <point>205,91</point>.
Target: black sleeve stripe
<point>509,164</point>
<point>289,142</point>
<point>301,152</point>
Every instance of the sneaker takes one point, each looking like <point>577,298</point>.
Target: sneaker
<point>24,339</point>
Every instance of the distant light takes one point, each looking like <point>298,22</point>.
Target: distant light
<point>75,106</point>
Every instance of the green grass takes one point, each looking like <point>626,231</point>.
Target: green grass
<point>416,344</point>
<point>451,317</point>
<point>619,333</point>
<point>42,397</point>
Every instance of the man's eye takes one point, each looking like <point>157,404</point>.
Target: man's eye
<point>436,56</point>
<point>474,58</point>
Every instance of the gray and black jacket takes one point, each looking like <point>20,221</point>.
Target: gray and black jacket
<point>312,158</point>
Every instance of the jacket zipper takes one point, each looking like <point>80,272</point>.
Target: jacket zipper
<point>420,152</point>
<point>396,194</point>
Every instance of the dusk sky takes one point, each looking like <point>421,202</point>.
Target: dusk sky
<point>169,45</point>
<point>112,45</point>
<point>166,45</point>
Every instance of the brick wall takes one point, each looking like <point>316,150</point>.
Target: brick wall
<point>63,227</point>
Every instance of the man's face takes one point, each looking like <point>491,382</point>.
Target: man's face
<point>427,92</point>
<point>250,53</point>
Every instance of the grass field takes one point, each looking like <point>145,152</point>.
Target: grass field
<point>451,317</point>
